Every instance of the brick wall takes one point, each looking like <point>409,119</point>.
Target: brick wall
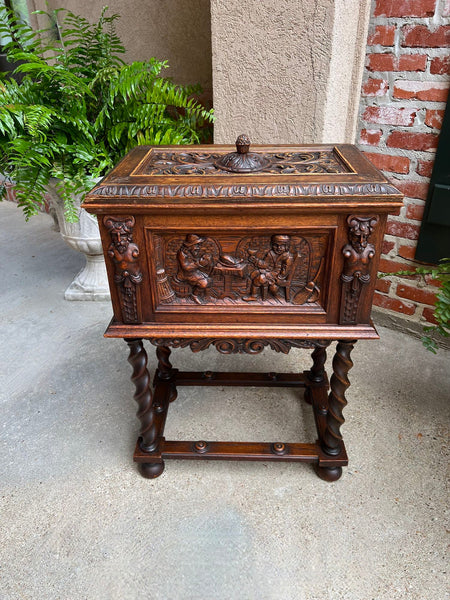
<point>405,88</point>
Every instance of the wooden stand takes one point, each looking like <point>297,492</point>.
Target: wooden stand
<point>242,250</point>
<point>327,454</point>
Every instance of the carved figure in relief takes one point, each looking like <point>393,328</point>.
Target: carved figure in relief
<point>263,269</point>
<point>194,266</point>
<point>123,251</point>
<point>358,253</point>
<point>357,257</point>
<point>125,255</point>
<point>271,272</point>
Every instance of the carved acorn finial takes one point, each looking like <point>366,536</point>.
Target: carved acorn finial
<point>243,161</point>
<point>243,144</point>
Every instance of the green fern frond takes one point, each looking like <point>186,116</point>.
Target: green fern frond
<point>79,108</point>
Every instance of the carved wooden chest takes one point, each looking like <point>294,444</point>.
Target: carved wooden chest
<point>269,246</point>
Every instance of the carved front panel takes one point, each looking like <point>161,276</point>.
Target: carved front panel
<point>280,269</point>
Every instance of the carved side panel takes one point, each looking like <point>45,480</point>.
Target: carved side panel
<point>358,254</point>
<point>261,270</point>
<point>124,254</point>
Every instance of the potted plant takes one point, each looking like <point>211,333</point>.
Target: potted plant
<point>76,110</point>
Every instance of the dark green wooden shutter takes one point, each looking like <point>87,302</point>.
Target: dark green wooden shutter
<point>434,238</point>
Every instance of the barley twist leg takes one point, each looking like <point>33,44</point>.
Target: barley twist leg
<point>332,439</point>
<point>143,395</point>
<point>336,400</point>
<point>317,372</point>
<point>165,370</point>
<point>319,356</point>
<point>164,364</point>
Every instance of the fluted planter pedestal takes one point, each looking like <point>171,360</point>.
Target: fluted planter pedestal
<point>91,283</point>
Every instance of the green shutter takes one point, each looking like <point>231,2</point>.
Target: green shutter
<point>434,238</point>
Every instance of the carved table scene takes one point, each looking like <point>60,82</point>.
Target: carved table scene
<point>270,247</point>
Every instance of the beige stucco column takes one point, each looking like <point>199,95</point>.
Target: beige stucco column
<point>288,71</point>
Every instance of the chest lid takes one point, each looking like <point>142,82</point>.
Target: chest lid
<point>219,174</point>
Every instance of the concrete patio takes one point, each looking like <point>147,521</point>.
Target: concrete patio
<point>79,522</point>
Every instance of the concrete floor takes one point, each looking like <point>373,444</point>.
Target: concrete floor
<point>78,522</point>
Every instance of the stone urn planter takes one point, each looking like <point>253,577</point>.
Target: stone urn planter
<point>91,283</point>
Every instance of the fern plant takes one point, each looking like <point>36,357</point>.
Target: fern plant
<point>78,107</point>
<point>441,273</point>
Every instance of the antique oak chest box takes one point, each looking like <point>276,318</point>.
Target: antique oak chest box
<point>242,248</point>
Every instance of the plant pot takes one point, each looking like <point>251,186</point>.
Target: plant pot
<point>91,283</point>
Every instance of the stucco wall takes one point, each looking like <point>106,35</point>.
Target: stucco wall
<point>351,21</point>
<point>285,71</point>
<point>288,71</point>
<point>175,30</point>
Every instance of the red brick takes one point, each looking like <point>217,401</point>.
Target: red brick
<point>419,36</point>
<point>381,62</point>
<point>407,252</point>
<point>383,285</point>
<point>412,141</point>
<point>446,9</point>
<point>404,8</point>
<point>375,87</point>
<point>413,189</point>
<point>387,246</point>
<point>391,266</point>
<point>440,65</point>
<point>383,35</point>
<point>415,211</point>
<point>388,115</point>
<point>393,304</point>
<point>388,62</point>
<point>425,167</point>
<point>403,230</point>
<point>412,62</point>
<point>416,294</point>
<point>433,91</point>
<point>387,162</point>
<point>370,137</point>
<point>434,282</point>
<point>434,118</point>
<point>428,314</point>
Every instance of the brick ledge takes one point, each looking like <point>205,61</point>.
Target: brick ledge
<point>412,328</point>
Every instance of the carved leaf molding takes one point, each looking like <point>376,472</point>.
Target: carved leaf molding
<point>242,191</point>
<point>239,345</point>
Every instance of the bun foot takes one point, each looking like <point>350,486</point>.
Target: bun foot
<point>329,473</point>
<point>151,470</point>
